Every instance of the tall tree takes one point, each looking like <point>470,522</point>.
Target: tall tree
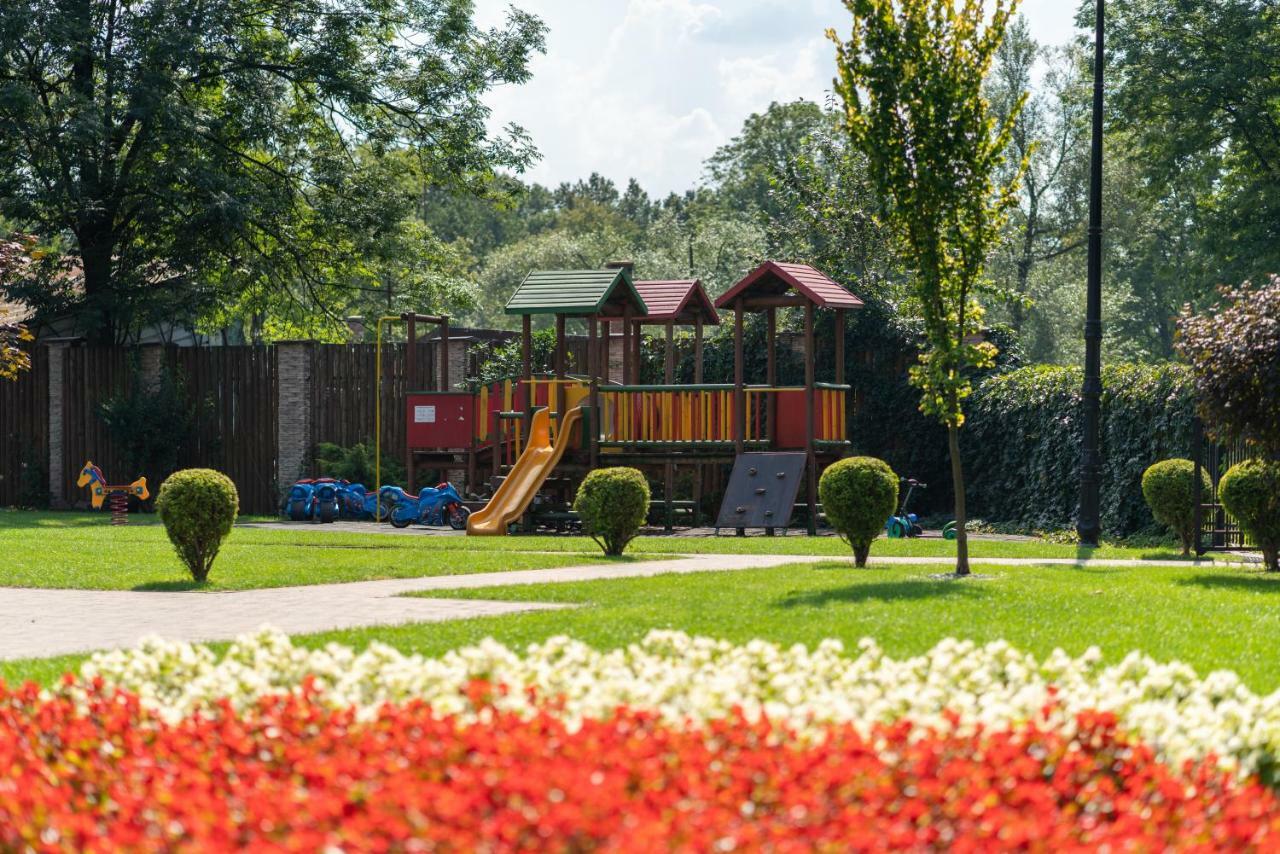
<point>1046,135</point>
<point>742,170</point>
<point>175,142</point>
<point>911,78</point>
<point>1197,89</point>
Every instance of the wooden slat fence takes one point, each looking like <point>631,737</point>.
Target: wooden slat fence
<point>236,392</point>
<point>343,383</point>
<point>90,377</point>
<point>24,433</point>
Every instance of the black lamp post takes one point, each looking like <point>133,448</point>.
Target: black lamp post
<point>1089,526</point>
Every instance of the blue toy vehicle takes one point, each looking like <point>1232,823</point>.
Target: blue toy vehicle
<point>439,506</point>
<point>299,502</point>
<point>905,524</point>
<point>356,502</point>
<point>324,497</point>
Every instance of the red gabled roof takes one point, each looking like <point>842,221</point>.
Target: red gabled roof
<point>670,299</point>
<point>775,276</point>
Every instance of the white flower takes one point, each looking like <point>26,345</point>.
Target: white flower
<point>691,679</point>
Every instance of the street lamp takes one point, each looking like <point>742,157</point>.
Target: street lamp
<point>1089,526</point>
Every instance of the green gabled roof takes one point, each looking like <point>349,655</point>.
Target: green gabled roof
<point>574,292</point>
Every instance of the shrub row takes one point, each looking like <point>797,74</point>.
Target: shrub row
<point>1024,431</point>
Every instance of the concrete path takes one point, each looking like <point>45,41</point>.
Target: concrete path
<point>39,623</point>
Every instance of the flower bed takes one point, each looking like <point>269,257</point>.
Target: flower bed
<point>102,772</point>
<point>956,685</point>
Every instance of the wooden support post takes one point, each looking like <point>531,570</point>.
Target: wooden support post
<point>669,486</point>
<point>811,456</point>
<point>669,470</point>
<point>669,372</point>
<point>526,370</point>
<point>410,384</point>
<point>605,370</point>
<point>593,371</point>
<point>560,371</point>
<point>739,393</point>
<point>771,372</point>
<point>627,376</point>
<point>410,354</point>
<point>444,354</point>
<point>839,346</point>
<point>697,350</point>
<point>526,347</point>
<point>637,337</point>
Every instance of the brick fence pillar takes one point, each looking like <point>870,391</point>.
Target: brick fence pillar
<point>151,365</point>
<point>57,425</point>
<point>294,423</point>
<point>457,364</point>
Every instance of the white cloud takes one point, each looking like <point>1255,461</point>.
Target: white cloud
<point>650,88</point>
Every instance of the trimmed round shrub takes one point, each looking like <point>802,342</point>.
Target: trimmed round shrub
<point>1170,490</point>
<point>1250,491</point>
<point>613,504</point>
<point>198,507</point>
<point>859,494</point>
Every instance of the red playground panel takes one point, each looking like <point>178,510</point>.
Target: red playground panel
<point>440,419</point>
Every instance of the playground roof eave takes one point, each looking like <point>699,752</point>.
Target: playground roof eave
<point>676,300</point>
<point>812,284</point>
<point>573,292</point>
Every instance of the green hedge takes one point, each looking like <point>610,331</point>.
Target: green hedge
<point>1023,435</point>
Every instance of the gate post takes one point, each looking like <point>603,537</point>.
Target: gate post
<point>1197,458</point>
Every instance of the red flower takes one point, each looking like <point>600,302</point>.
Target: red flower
<point>293,776</point>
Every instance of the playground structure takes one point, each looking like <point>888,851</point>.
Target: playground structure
<point>116,497</point>
<point>541,433</point>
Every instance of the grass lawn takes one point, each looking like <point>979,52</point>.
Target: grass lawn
<point>1211,618</point>
<point>83,551</point>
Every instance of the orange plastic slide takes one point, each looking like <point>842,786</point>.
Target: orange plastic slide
<point>537,460</point>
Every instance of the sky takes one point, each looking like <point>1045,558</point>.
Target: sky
<point>650,88</point>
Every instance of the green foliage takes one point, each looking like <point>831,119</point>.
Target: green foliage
<point>13,358</point>
<point>151,421</point>
<point>1025,432</point>
<point>859,494</point>
<point>1235,355</point>
<point>201,153</point>
<point>911,77</point>
<point>1196,90</point>
<point>744,171</point>
<point>1250,491</point>
<point>506,361</point>
<point>198,508</point>
<point>1169,487</point>
<point>613,504</point>
<point>357,464</point>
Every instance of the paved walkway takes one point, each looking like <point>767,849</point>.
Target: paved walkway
<point>39,623</point>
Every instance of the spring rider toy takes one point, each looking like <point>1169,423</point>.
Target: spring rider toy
<point>117,497</point>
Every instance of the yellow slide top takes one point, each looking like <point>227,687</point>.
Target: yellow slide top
<point>524,480</point>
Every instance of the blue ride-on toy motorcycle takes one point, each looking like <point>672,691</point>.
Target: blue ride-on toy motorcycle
<point>356,502</point>
<point>441,505</point>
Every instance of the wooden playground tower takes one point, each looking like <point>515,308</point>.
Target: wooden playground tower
<point>545,431</point>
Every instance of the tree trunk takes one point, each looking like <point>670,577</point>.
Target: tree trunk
<point>95,258</point>
<point>860,554</point>
<point>957,480</point>
<point>1271,557</point>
